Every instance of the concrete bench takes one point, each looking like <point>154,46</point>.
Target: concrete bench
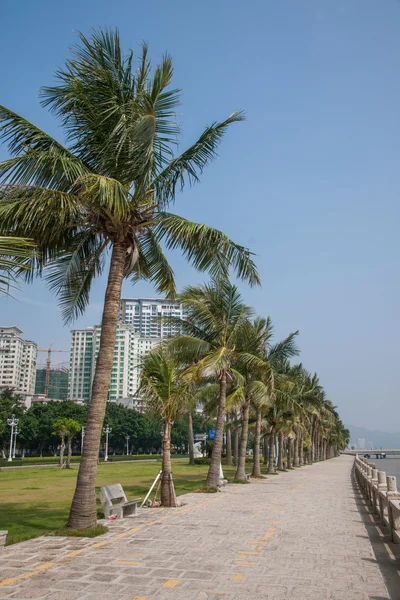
<point>114,502</point>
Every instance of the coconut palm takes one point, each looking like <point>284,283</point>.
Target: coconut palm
<point>166,392</point>
<point>276,358</point>
<point>215,320</point>
<point>253,340</point>
<point>102,199</point>
<point>260,405</point>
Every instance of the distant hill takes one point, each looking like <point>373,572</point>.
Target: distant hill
<point>378,438</point>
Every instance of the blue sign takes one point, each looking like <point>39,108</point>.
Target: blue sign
<point>212,434</point>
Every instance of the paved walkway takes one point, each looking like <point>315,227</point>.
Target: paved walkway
<point>302,535</point>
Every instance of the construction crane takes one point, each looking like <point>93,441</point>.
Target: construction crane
<point>49,350</point>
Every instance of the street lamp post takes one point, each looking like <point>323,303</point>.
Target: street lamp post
<point>16,432</point>
<point>13,422</point>
<point>127,444</point>
<point>107,430</point>
<point>82,438</point>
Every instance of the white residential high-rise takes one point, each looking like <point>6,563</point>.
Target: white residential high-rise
<point>129,350</point>
<point>18,359</point>
<point>144,315</point>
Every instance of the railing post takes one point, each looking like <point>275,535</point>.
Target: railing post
<point>382,489</point>
<point>374,489</point>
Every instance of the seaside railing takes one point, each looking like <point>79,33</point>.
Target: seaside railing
<point>380,491</point>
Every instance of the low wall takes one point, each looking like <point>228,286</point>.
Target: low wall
<point>380,491</point>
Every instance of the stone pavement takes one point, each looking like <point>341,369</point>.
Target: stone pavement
<point>301,535</point>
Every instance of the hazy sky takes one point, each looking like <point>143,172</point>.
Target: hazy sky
<point>310,182</point>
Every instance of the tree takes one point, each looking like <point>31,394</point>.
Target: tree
<point>105,197</point>
<point>61,430</point>
<point>215,320</point>
<point>165,392</point>
<point>73,428</point>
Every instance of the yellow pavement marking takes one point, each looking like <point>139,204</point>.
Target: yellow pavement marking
<point>238,577</point>
<point>171,583</point>
<point>246,562</point>
<point>8,581</point>
<point>75,553</point>
<point>271,528</point>
<point>140,598</point>
<point>46,565</point>
<point>259,542</point>
<point>389,551</point>
<point>247,552</point>
<point>128,562</point>
<point>259,547</point>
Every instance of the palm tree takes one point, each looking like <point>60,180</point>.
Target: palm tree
<point>166,392</point>
<point>253,342</point>
<point>260,404</point>
<point>215,320</point>
<point>105,196</point>
<point>276,357</point>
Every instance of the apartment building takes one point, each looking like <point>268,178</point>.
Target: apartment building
<point>18,358</point>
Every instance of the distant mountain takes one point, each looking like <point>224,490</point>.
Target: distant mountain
<point>378,438</point>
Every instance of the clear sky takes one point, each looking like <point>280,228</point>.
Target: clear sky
<point>310,182</point>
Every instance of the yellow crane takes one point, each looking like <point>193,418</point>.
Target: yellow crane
<point>49,350</point>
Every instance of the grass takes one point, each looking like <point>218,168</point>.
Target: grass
<point>54,460</point>
<point>90,533</point>
<point>35,502</point>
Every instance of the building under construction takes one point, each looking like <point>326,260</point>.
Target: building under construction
<point>58,382</point>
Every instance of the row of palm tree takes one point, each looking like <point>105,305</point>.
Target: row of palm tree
<point>226,363</point>
<point>98,203</point>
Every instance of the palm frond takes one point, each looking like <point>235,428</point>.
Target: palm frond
<point>206,248</point>
<point>14,253</point>
<point>153,264</point>
<point>70,276</point>
<point>187,167</point>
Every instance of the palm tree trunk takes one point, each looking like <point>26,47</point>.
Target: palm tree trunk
<point>280,451</point>
<point>228,433</point>
<point>265,448</point>
<point>301,449</point>
<point>62,448</point>
<point>296,457</point>
<point>190,438</point>
<point>168,497</point>
<point>256,472</point>
<point>271,457</point>
<point>83,508</point>
<point>214,470</point>
<point>69,452</point>
<point>240,474</point>
<point>236,446</point>
<point>290,453</point>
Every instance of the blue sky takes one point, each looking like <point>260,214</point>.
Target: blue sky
<point>309,182</point>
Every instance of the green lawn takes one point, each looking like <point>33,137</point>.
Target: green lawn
<point>36,501</point>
